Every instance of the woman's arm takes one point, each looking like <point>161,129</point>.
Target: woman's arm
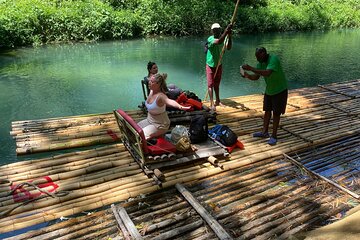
<point>171,103</point>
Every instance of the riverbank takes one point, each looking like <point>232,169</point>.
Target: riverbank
<point>33,22</point>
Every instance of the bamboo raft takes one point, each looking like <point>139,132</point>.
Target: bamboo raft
<point>257,188</point>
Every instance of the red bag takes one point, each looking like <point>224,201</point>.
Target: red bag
<point>182,98</point>
<point>196,104</point>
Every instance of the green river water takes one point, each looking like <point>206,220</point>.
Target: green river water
<point>66,80</point>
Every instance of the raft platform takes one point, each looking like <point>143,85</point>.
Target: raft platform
<point>310,178</point>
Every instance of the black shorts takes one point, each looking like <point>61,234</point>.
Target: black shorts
<point>276,103</point>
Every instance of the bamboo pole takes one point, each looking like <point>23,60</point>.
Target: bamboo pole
<point>261,212</point>
<point>215,226</point>
<point>232,22</point>
<point>238,158</point>
<point>67,157</point>
<point>92,202</point>
<point>281,195</point>
<point>83,142</point>
<point>323,178</point>
<point>128,223</point>
<point>178,231</point>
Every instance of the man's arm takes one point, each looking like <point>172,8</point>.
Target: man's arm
<point>221,39</point>
<point>264,73</point>
<point>251,76</point>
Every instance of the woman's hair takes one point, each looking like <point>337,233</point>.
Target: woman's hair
<point>149,66</point>
<point>160,78</point>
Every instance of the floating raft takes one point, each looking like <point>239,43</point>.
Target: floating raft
<point>254,190</point>
<point>52,134</point>
<point>270,199</point>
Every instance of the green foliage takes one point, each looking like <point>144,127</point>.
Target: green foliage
<point>182,17</point>
<point>123,4</point>
<point>300,15</point>
<point>34,22</point>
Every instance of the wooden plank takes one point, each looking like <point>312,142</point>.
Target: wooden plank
<point>120,222</point>
<point>180,230</point>
<point>204,150</point>
<point>200,154</point>
<point>215,226</point>
<point>322,177</point>
<point>129,224</point>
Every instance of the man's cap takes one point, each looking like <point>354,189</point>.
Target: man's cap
<point>215,25</point>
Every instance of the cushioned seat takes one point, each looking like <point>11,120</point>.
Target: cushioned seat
<point>162,146</point>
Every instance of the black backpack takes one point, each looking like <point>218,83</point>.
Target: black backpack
<point>223,134</point>
<point>198,129</point>
<point>192,95</point>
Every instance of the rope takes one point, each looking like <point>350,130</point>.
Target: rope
<point>31,185</point>
<point>5,182</point>
<point>53,195</point>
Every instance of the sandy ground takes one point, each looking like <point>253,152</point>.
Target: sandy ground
<point>347,228</point>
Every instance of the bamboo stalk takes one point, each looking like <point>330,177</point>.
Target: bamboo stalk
<point>116,159</point>
<point>323,178</point>
<point>61,228</point>
<point>177,231</point>
<point>128,223</point>
<point>256,152</point>
<point>260,212</point>
<point>168,220</point>
<point>215,226</point>
<point>64,145</point>
<point>92,202</point>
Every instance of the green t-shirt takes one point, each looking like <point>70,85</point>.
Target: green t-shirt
<point>276,82</point>
<point>213,53</point>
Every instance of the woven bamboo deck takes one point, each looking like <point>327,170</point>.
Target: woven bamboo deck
<point>257,193</point>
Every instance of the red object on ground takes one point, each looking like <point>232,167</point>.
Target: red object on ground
<point>21,194</point>
<point>237,144</point>
<point>112,135</point>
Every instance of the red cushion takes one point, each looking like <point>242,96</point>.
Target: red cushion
<point>161,146</point>
<point>136,127</point>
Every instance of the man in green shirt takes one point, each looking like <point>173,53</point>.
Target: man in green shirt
<point>276,92</point>
<point>214,46</point>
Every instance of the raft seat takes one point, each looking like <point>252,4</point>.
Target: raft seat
<point>162,145</point>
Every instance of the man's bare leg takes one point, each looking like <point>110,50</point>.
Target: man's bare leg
<point>212,106</point>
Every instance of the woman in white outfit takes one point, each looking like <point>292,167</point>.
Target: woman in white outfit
<point>157,121</point>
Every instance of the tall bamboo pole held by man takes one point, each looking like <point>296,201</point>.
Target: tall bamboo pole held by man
<point>232,22</point>
<point>225,44</point>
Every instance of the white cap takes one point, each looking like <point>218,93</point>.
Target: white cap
<point>215,25</point>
